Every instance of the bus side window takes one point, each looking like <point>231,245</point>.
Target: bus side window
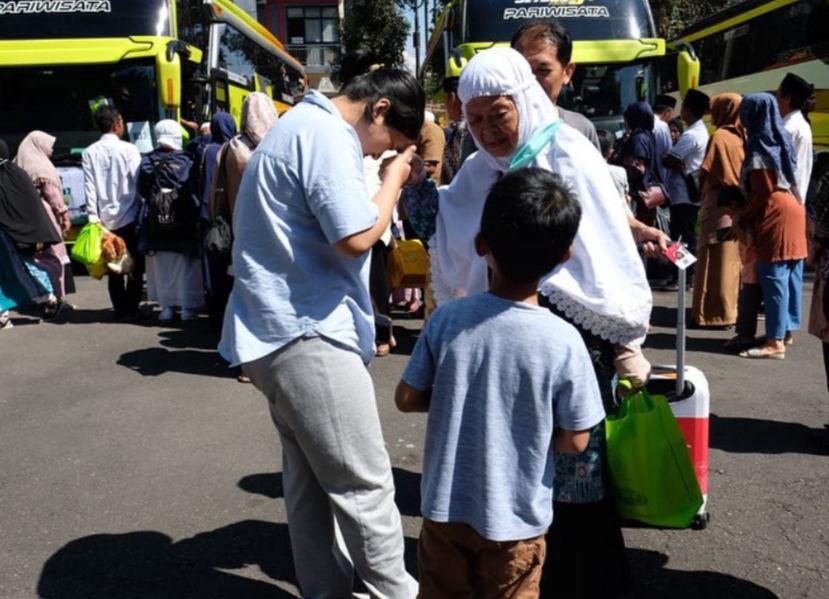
<point>287,83</point>
<point>237,56</point>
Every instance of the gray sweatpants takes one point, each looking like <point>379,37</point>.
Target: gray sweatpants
<point>336,471</point>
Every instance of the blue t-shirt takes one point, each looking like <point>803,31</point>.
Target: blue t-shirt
<point>503,375</point>
<point>303,190</point>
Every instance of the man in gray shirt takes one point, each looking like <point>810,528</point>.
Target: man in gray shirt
<point>548,48</point>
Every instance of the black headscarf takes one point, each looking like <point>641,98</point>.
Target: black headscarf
<point>22,215</point>
<point>222,129</point>
<point>641,144</point>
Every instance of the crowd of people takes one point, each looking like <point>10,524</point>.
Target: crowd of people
<point>539,298</point>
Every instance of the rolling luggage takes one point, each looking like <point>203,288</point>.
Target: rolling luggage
<point>689,398</point>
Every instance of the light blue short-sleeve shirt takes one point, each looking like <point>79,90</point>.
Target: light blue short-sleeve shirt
<point>303,190</point>
<point>502,375</point>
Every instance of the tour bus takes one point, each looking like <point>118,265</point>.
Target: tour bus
<point>619,57</point>
<point>749,47</point>
<point>151,59</point>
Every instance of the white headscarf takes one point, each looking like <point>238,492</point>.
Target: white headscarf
<point>603,287</point>
<point>168,135</point>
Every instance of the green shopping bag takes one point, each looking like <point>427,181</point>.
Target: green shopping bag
<point>650,467</point>
<point>87,248</point>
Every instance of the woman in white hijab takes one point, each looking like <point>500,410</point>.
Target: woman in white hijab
<point>174,276</point>
<point>602,289</point>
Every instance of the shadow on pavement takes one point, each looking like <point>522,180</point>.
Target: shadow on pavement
<point>155,361</point>
<point>751,435</point>
<point>406,339</point>
<point>268,484</point>
<point>407,491</point>
<point>149,565</point>
<point>667,341</point>
<point>406,484</point>
<point>654,581</point>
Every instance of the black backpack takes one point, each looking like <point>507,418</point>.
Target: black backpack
<point>170,214</point>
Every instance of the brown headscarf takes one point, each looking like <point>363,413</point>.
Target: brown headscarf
<point>726,148</point>
<point>33,157</point>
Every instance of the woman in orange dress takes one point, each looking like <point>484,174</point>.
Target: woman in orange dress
<point>717,277</point>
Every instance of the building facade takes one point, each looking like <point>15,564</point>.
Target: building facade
<point>310,30</point>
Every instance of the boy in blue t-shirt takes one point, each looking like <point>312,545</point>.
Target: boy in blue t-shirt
<point>504,382</point>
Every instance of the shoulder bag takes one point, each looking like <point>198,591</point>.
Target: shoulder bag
<point>218,239</point>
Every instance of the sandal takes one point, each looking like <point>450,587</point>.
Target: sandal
<point>758,353</point>
<point>383,349</point>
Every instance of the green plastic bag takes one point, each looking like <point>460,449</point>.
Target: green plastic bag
<point>87,248</point>
<point>650,467</point>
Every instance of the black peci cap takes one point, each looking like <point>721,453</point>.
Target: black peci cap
<point>662,102</point>
<point>796,86</point>
<point>697,100</point>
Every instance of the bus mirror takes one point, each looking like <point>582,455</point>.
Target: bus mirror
<point>687,68</point>
<point>169,81</point>
<point>177,47</point>
<point>456,64</point>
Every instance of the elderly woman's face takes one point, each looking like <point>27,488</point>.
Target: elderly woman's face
<point>494,122</point>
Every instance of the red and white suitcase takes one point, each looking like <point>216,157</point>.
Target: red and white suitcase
<point>690,399</point>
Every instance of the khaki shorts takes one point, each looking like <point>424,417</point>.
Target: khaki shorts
<point>456,562</point>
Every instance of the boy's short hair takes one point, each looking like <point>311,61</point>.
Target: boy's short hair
<point>529,222</point>
<point>105,118</point>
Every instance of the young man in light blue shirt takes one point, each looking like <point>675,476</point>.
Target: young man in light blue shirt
<point>300,319</point>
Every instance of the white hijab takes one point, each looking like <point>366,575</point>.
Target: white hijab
<point>603,287</point>
<point>168,135</point>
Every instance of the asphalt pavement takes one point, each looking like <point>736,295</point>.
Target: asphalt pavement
<point>133,465</point>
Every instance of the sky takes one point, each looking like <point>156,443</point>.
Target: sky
<point>410,53</point>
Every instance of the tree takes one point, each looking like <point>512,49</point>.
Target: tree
<point>672,16</point>
<point>375,27</point>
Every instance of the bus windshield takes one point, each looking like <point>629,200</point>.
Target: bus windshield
<point>585,20</point>
<point>600,91</point>
<point>60,100</point>
<point>30,19</point>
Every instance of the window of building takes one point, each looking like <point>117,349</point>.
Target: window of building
<point>313,25</point>
<point>268,15</point>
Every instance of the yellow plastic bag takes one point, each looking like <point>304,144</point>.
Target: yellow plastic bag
<point>408,264</point>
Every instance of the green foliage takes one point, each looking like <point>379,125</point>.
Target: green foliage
<point>672,16</point>
<point>377,27</point>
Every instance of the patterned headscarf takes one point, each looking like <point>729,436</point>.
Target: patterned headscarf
<point>769,146</point>
<point>258,116</point>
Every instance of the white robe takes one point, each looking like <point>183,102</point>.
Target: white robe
<point>173,279</point>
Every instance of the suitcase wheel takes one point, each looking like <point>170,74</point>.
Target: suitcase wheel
<point>701,521</point>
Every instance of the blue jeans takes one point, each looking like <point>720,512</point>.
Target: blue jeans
<point>782,284</point>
